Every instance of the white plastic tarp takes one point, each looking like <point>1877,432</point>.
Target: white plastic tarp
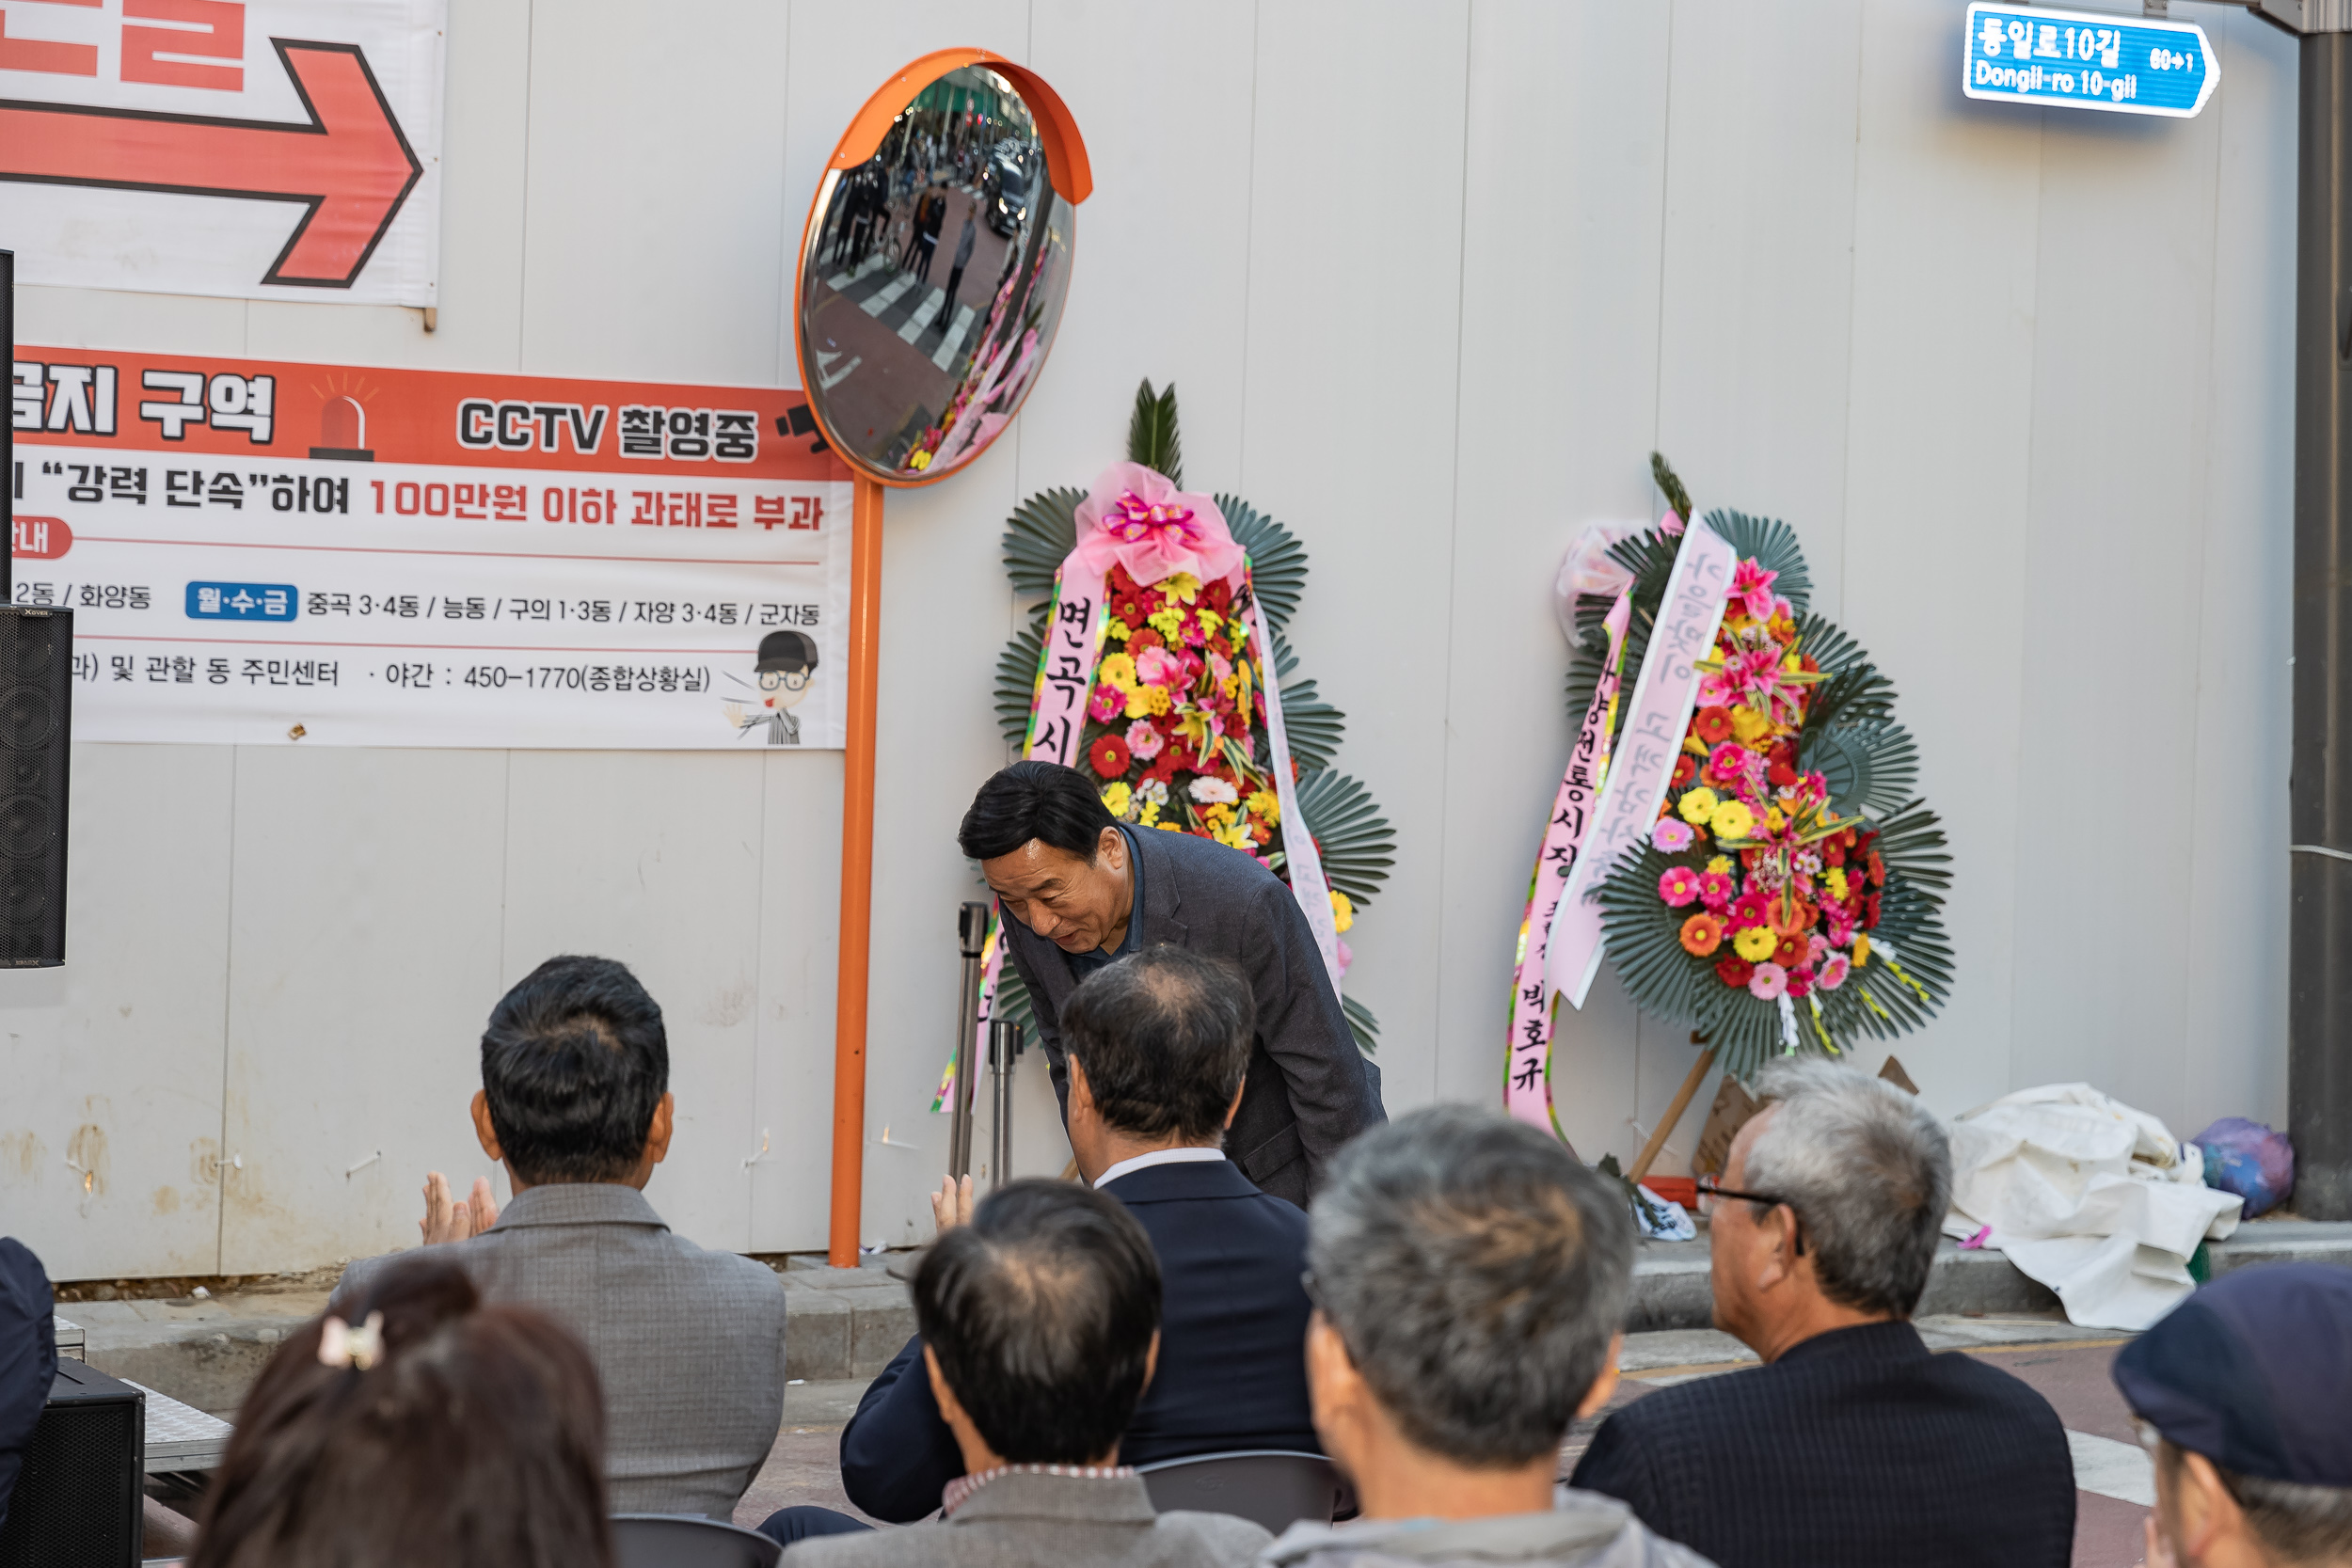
<point>2094,1200</point>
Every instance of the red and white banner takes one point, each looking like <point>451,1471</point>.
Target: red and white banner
<point>260,551</point>
<point>254,148</point>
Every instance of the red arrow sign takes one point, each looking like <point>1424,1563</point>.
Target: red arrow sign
<point>350,165</point>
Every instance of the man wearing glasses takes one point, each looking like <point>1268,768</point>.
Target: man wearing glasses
<point>1852,1445</point>
<point>787,668</point>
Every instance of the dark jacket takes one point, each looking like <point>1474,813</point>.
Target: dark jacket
<point>28,1355</point>
<point>1309,1090</point>
<point>1232,1337</point>
<point>1857,1447</point>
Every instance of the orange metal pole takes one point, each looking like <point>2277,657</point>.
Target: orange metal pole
<point>857,876</point>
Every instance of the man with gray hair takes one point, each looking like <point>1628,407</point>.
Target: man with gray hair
<point>1851,1444</point>
<point>1469,1280</point>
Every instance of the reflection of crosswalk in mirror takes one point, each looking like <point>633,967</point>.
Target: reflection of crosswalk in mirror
<point>932,281</point>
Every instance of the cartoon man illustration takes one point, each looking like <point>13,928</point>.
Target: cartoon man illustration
<point>786,668</point>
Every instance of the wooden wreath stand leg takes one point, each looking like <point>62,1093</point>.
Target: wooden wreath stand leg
<point>1674,1112</point>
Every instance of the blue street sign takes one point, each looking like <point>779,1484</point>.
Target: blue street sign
<point>2088,60</point>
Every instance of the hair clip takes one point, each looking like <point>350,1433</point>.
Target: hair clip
<point>342,1345</point>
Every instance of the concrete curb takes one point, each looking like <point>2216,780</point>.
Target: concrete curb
<point>844,1324</point>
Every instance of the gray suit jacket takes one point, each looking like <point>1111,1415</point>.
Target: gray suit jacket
<point>689,1344</point>
<point>1020,1520</point>
<point>1309,1090</point>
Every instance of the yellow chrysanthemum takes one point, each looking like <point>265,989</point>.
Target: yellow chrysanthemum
<point>1183,586</point>
<point>1343,911</point>
<point>1170,827</point>
<point>1156,700</point>
<point>1756,943</point>
<point>1210,620</point>
<point>1119,670</point>
<point>1149,814</point>
<point>1837,879</point>
<point>1748,724</point>
<point>1732,819</point>
<point>1170,623</point>
<point>1139,700</point>
<point>1861,951</point>
<point>1698,806</point>
<point>1773,821</point>
<point>1115,630</point>
<point>1265,806</point>
<point>1721,865</point>
<point>1216,815</point>
<point>1116,798</point>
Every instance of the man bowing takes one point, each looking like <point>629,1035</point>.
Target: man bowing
<point>1080,889</point>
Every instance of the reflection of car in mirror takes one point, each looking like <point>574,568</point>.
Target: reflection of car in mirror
<point>1005,192</point>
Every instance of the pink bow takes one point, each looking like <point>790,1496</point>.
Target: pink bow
<point>1139,519</point>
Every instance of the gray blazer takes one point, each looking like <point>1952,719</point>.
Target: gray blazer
<point>1020,1520</point>
<point>1309,1090</point>
<point>689,1344</point>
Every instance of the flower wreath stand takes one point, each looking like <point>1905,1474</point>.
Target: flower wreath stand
<point>1154,662</point>
<point>1739,832</point>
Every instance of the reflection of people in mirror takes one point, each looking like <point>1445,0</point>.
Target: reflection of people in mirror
<point>786,668</point>
<point>955,273</point>
<point>934,215</point>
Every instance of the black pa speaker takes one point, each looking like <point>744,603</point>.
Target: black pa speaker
<point>77,1500</point>
<point>35,724</point>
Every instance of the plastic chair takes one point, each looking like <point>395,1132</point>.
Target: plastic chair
<point>1273,1488</point>
<point>688,1541</point>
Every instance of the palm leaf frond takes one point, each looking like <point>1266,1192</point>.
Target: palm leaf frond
<point>1278,561</point>
<point>1911,841</point>
<point>1860,690</point>
<point>1356,844</point>
<point>1771,544</point>
<point>1360,1023</point>
<point>1152,433</point>
<point>1011,1004</point>
<point>1016,678</point>
<point>1827,644</point>
<point>1670,485</point>
<point>1872,768</point>
<point>1038,534</point>
<point>1314,727</point>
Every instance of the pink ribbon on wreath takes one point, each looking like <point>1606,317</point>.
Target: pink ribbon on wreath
<point>1137,518</point>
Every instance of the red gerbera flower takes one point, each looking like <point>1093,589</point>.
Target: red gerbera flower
<point>1712,725</point>
<point>1686,768</point>
<point>1108,756</point>
<point>1735,973</point>
<point>1800,982</point>
<point>1790,951</point>
<point>1870,912</point>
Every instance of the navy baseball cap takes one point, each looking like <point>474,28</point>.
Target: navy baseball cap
<point>2254,1371</point>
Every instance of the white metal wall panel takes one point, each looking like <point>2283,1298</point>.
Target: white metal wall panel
<point>110,1074</point>
<point>1565,173</point>
<point>1356,182</point>
<point>1432,280</point>
<point>363,924</point>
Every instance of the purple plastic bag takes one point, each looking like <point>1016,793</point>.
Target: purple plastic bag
<point>2249,1159</point>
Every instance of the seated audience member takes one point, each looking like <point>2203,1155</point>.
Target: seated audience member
<point>1041,1324</point>
<point>428,1429</point>
<point>1471,1280</point>
<point>689,1344</point>
<point>1158,1044</point>
<point>28,1357</point>
<point>1852,1445</point>
<point>2245,1393</point>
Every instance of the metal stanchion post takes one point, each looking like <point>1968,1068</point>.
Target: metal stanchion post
<point>1004,1046</point>
<point>970,933</point>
